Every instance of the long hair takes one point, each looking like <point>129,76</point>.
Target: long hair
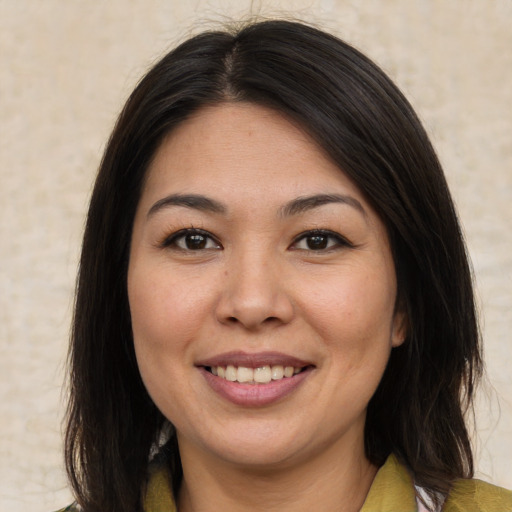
<point>367,127</point>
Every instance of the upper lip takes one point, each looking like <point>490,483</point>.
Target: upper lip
<point>254,360</point>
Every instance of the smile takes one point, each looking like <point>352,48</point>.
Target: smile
<point>261,375</point>
<point>254,379</point>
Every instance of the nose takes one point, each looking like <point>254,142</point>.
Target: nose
<point>253,294</point>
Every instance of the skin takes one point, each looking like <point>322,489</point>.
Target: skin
<point>261,284</point>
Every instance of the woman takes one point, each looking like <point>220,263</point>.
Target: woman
<point>274,308</point>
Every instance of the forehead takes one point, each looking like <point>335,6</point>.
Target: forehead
<point>246,148</point>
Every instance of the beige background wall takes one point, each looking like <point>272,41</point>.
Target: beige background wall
<point>66,68</point>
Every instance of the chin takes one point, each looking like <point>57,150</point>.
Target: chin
<point>258,447</point>
<point>261,458</point>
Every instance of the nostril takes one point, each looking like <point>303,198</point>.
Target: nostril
<point>268,320</point>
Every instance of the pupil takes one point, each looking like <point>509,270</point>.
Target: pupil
<point>196,241</point>
<point>317,242</point>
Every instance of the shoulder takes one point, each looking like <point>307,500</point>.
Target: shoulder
<point>471,495</point>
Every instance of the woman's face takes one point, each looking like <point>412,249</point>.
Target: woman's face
<point>262,291</point>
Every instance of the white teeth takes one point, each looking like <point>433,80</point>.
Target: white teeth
<point>244,374</point>
<point>260,375</point>
<point>231,373</point>
<point>277,372</point>
<point>288,371</point>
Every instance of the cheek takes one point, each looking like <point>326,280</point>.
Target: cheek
<point>164,299</point>
<point>166,315</point>
<point>353,307</point>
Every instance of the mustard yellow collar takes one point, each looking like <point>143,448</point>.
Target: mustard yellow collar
<point>392,491</point>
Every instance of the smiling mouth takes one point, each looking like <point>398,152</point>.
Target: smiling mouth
<point>260,375</point>
<point>254,379</point>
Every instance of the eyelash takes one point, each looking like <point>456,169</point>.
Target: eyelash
<point>173,241</point>
<point>339,241</point>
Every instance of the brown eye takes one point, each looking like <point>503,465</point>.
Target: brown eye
<point>195,242</point>
<point>319,240</point>
<point>192,240</point>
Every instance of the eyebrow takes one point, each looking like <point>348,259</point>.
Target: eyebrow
<point>194,201</point>
<point>294,207</point>
<point>306,203</point>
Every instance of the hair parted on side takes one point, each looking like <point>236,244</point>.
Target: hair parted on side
<point>366,126</point>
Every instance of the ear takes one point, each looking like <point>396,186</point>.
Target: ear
<point>400,328</point>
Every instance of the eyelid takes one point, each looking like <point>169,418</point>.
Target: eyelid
<point>341,241</point>
<point>170,240</point>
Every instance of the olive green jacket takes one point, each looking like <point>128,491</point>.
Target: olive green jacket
<point>392,491</point>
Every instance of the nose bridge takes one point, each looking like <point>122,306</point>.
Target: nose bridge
<point>253,293</point>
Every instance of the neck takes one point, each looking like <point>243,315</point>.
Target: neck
<point>330,481</point>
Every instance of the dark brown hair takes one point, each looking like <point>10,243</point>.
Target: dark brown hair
<point>363,122</point>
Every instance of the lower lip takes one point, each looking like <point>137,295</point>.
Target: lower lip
<point>254,395</point>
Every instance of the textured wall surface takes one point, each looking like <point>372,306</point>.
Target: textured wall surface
<point>67,68</point>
